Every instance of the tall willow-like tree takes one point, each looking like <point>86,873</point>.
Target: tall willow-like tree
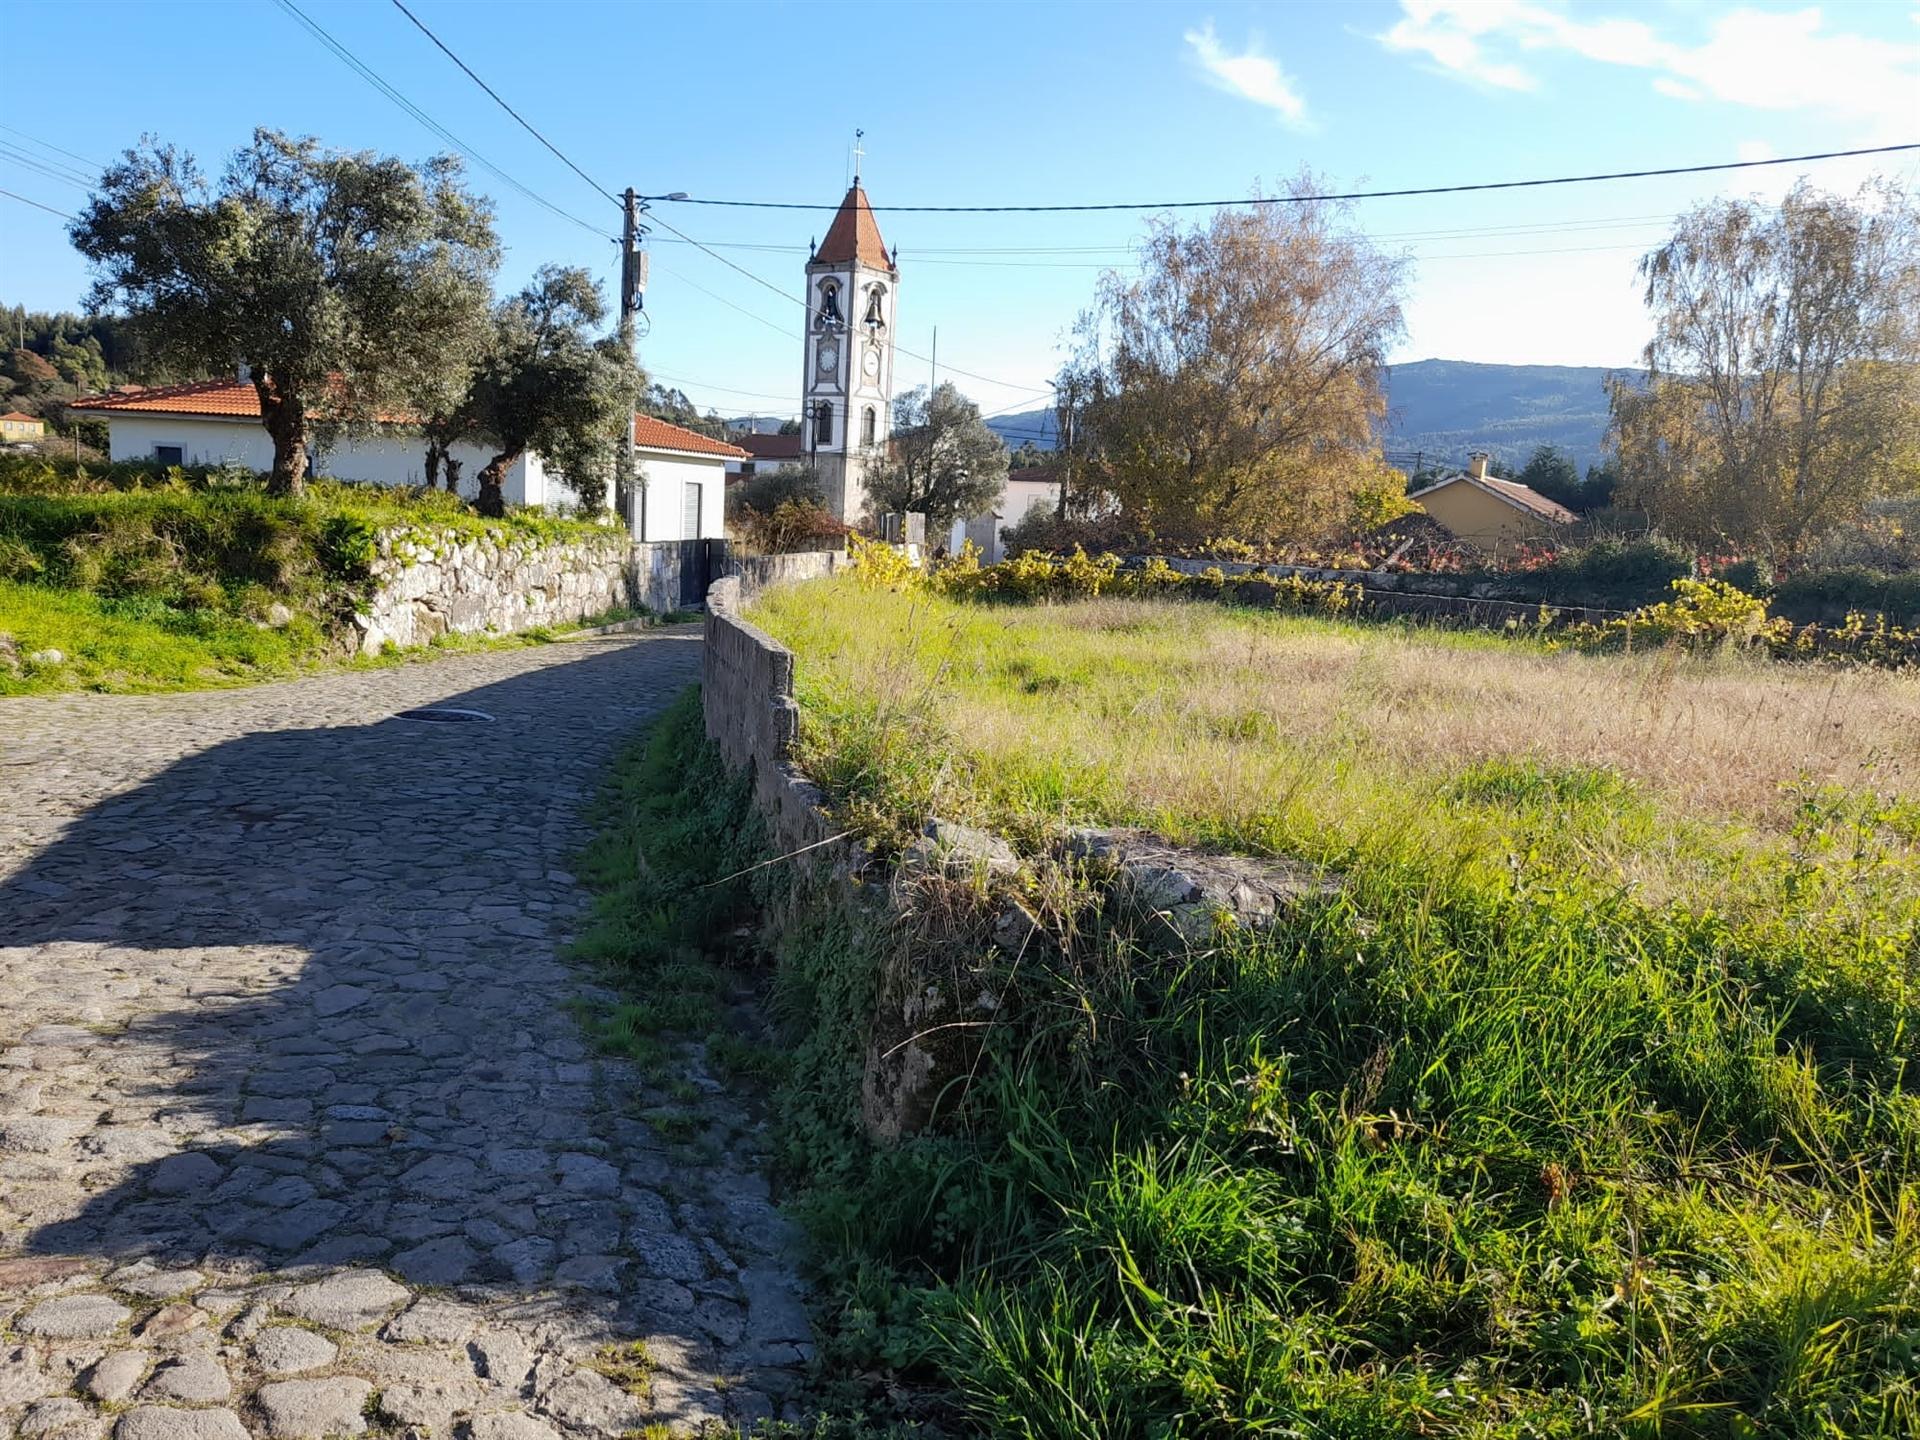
<point>348,284</point>
<point>1783,378</point>
<point>1237,382</point>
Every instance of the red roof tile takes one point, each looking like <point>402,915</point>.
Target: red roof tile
<point>1532,499</point>
<point>18,415</point>
<point>774,447</point>
<point>854,235</point>
<point>652,434</point>
<point>201,397</point>
<point>236,399</point>
<point>1522,497</point>
<point>240,401</point>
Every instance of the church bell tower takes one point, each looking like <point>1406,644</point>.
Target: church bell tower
<point>847,386</point>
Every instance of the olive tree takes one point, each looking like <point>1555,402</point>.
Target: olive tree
<point>547,385</point>
<point>1235,384</point>
<point>944,460</point>
<point>349,285</point>
<point>1782,389</point>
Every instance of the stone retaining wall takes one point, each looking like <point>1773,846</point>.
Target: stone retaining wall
<point>762,572</point>
<point>936,981</point>
<point>432,583</point>
<point>746,696</point>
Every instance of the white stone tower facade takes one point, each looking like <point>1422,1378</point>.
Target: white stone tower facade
<point>847,385</point>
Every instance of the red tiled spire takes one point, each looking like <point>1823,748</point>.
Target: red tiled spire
<point>854,235</point>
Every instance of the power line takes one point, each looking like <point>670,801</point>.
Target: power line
<point>26,160</point>
<point>664,224</point>
<point>1531,227</point>
<point>38,206</point>
<point>767,284</point>
<point>710,385</point>
<point>1309,199</point>
<point>366,73</point>
<point>562,156</point>
<point>49,145</point>
<point>503,104</point>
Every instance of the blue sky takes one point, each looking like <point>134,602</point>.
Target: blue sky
<point>1012,104</point>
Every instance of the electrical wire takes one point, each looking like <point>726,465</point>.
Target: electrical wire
<point>365,72</point>
<point>1464,189</point>
<point>38,206</point>
<point>710,385</point>
<point>767,284</point>
<point>503,104</point>
<point>12,155</point>
<point>664,224</point>
<point>49,145</point>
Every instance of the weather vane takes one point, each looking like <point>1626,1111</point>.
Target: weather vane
<point>859,154</point>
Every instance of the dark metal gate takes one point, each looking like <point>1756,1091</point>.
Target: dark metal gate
<point>701,563</point>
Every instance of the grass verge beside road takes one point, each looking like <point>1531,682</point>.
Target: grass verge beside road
<point>135,578</point>
<point>1583,1108</point>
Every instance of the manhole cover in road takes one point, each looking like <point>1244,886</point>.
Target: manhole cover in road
<point>444,715</point>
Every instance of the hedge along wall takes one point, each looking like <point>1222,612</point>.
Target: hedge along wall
<point>1468,600</point>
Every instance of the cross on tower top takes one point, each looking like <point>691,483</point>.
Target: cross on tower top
<point>859,154</point>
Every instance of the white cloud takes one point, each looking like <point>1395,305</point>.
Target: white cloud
<point>1251,75</point>
<point>1762,60</point>
<point>1448,33</point>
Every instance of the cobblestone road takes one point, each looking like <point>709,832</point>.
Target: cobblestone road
<point>297,1135</point>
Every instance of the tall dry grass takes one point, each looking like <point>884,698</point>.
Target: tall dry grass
<point>1276,733</point>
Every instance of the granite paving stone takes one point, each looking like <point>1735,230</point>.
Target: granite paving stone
<point>293,1107</point>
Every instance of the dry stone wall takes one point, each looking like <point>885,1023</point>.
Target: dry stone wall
<point>759,572</point>
<point>935,983</point>
<point>432,583</point>
<point>746,694</point>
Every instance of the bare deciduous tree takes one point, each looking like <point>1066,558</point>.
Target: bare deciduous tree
<point>1783,378</point>
<point>1238,381</point>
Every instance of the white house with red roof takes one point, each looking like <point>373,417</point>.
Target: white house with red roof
<point>217,422</point>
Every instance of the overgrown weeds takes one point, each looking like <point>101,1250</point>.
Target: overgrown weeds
<point>1583,1108</point>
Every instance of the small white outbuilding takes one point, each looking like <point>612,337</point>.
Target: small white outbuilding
<point>217,422</point>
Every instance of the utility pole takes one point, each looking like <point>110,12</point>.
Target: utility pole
<point>1064,409</point>
<point>633,284</point>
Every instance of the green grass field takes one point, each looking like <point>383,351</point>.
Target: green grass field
<point>1583,1109</point>
<point>144,579</point>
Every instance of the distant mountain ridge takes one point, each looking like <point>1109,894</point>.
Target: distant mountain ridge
<point>1440,411</point>
<point>1443,410</point>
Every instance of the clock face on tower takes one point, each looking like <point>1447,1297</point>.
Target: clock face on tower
<point>829,359</point>
<point>871,364</point>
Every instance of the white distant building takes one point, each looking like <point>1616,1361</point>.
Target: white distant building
<point>1030,488</point>
<point>217,422</point>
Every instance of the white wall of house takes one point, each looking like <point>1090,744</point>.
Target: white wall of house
<point>401,460</point>
<point>669,476</point>
<point>1019,498</point>
<point>374,460</point>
